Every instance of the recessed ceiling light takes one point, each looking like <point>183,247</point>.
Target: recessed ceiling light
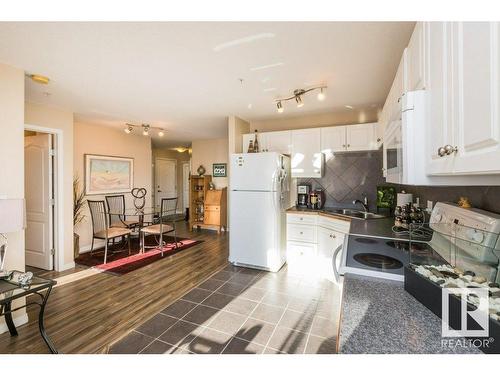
<point>349,106</point>
<point>247,39</point>
<point>262,67</point>
<point>265,79</point>
<point>39,79</point>
<point>249,106</point>
<point>270,89</point>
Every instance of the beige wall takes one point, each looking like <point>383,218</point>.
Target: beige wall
<point>12,162</point>
<point>101,140</point>
<point>344,117</point>
<point>236,128</point>
<point>207,152</point>
<point>180,158</point>
<point>40,115</point>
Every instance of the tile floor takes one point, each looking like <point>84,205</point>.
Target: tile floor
<point>244,311</point>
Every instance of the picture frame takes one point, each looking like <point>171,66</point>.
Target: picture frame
<point>219,170</point>
<point>108,174</point>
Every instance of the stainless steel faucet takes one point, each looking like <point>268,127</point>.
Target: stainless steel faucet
<point>364,203</point>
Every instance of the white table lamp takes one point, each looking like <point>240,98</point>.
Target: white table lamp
<point>12,219</point>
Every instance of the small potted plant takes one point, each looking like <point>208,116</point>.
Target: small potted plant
<point>78,215</point>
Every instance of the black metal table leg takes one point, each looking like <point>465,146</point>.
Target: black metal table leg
<point>41,326</point>
<point>8,319</point>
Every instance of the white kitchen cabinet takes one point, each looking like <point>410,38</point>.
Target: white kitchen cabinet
<point>415,58</point>
<point>333,140</point>
<point>463,98</point>
<point>280,141</point>
<point>362,137</point>
<point>307,159</point>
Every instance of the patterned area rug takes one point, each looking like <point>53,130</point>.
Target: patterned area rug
<point>120,263</point>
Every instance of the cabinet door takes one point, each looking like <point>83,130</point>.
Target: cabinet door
<point>278,142</point>
<point>328,241</point>
<point>361,137</point>
<point>415,59</point>
<point>439,121</point>
<point>333,140</point>
<point>306,156</point>
<point>476,97</point>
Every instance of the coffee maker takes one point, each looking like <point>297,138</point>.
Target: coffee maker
<point>303,195</point>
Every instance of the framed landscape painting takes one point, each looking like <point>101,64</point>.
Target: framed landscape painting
<point>108,174</point>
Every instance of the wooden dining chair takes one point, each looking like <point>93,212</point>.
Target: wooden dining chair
<point>116,205</point>
<point>101,229</point>
<point>168,209</point>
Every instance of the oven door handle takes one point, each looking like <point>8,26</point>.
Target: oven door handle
<point>336,253</point>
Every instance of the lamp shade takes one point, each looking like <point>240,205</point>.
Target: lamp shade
<point>12,215</point>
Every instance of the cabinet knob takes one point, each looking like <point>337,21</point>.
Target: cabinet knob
<point>333,236</point>
<point>343,146</point>
<point>378,139</point>
<point>447,150</point>
<point>301,232</point>
<point>348,145</point>
<point>301,218</point>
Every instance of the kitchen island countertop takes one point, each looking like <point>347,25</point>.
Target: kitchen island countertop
<point>379,316</point>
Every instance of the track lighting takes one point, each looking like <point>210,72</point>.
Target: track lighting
<point>299,101</point>
<point>297,96</point>
<point>321,95</point>
<point>146,129</point>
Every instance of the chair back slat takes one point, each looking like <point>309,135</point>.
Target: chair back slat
<point>98,215</point>
<point>168,208</point>
<point>116,205</point>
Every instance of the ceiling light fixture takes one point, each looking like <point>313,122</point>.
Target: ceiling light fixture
<point>146,129</point>
<point>349,106</point>
<point>299,101</point>
<point>297,96</point>
<point>321,95</point>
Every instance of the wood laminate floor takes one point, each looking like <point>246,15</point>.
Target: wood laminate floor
<point>87,315</point>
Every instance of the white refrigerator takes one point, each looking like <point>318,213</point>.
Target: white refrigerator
<point>259,196</point>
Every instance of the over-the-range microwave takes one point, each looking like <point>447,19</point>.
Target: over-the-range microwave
<point>404,142</point>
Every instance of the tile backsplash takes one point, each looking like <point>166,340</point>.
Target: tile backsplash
<point>350,176</point>
<point>484,197</point>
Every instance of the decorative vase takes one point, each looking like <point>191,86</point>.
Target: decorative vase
<point>76,245</point>
<point>201,170</point>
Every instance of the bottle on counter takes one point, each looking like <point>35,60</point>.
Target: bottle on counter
<point>250,147</point>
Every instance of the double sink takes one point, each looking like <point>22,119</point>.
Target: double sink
<point>348,212</point>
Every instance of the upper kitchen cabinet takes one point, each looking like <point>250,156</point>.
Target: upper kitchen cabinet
<point>362,137</point>
<point>333,140</point>
<point>359,137</point>
<point>307,159</point>
<point>415,59</point>
<point>464,100</point>
<point>280,141</point>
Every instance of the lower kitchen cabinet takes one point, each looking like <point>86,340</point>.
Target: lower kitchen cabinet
<point>311,241</point>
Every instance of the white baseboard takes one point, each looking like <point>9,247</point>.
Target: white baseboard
<point>86,249</point>
<point>18,321</point>
<point>67,266</point>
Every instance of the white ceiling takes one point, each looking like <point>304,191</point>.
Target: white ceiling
<point>185,76</point>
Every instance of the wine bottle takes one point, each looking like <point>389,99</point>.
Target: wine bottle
<point>250,147</point>
<point>256,142</point>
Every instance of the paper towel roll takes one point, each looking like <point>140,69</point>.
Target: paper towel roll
<point>404,198</point>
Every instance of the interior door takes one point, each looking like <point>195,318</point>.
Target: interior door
<point>185,185</point>
<point>39,199</point>
<point>165,179</point>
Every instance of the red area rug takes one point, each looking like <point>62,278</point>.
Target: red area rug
<point>120,263</point>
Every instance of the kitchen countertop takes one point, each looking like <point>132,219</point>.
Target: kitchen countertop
<point>379,316</point>
<point>375,228</point>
